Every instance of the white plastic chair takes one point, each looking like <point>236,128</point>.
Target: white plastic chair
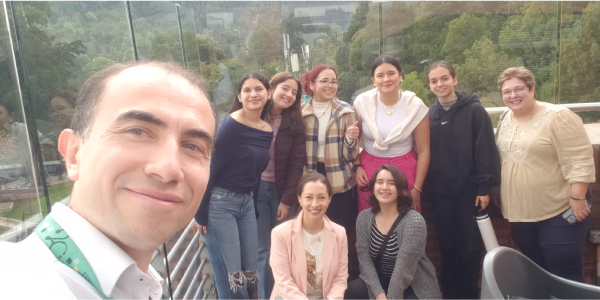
<point>508,274</point>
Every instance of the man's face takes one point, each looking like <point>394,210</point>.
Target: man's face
<point>142,171</point>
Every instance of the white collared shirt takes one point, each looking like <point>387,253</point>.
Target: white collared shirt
<point>30,270</point>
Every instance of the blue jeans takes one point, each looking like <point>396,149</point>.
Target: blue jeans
<point>268,203</point>
<point>231,241</point>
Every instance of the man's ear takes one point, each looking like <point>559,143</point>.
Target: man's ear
<point>69,143</point>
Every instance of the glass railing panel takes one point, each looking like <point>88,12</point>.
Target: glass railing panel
<point>63,43</point>
<point>579,59</point>
<point>20,209</point>
<point>156,31</point>
<point>190,40</point>
<point>479,38</point>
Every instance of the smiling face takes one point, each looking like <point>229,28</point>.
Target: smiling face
<point>314,201</point>
<point>253,94</point>
<point>442,83</point>
<point>517,96</point>
<point>142,171</point>
<point>387,78</point>
<point>385,188</point>
<point>285,94</point>
<point>61,112</point>
<point>324,93</point>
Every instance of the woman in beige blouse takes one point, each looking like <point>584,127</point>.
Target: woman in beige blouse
<point>547,165</point>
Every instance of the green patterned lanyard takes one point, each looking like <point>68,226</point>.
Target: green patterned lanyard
<point>65,250</point>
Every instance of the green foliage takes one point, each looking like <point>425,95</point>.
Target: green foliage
<point>349,83</point>
<point>483,64</point>
<point>462,34</point>
<point>265,45</point>
<point>97,64</point>
<point>412,83</point>
<point>581,58</point>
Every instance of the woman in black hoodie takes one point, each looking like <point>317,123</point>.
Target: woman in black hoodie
<point>464,166</point>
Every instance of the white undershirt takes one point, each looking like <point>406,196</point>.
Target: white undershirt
<point>385,125</point>
<point>319,108</point>
<point>313,245</point>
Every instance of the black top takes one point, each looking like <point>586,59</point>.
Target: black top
<point>388,261</point>
<point>241,154</point>
<point>464,157</point>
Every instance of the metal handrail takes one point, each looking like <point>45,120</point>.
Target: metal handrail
<point>575,107</point>
<point>180,241</point>
<point>185,254</point>
<point>186,274</point>
<point>201,287</point>
<point>198,272</point>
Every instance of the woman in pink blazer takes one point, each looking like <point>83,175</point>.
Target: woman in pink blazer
<point>309,254</point>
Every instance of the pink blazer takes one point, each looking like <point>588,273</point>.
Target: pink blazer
<point>288,260</point>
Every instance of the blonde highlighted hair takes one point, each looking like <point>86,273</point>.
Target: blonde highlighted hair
<point>521,73</point>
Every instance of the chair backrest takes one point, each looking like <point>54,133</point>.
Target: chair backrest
<point>509,274</point>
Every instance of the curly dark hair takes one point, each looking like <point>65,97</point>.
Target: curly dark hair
<point>404,199</point>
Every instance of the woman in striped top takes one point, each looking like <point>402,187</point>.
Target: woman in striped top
<point>390,241</point>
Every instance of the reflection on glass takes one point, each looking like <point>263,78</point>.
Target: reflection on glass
<point>156,31</point>
<point>63,43</point>
<point>190,40</point>
<point>19,202</point>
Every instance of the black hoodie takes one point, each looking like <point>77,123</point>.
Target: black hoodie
<point>464,157</point>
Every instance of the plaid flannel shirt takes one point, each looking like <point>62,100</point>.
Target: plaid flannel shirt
<point>339,154</point>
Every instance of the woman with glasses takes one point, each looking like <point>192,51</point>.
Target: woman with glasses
<point>227,215</point>
<point>331,141</point>
<point>547,164</point>
<point>393,123</point>
<point>390,239</point>
<point>280,179</point>
<point>464,167</point>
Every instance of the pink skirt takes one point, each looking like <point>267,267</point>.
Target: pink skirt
<point>407,163</point>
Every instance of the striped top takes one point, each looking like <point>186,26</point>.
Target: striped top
<point>388,261</point>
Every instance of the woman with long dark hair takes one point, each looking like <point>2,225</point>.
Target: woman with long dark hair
<point>227,214</point>
<point>393,124</point>
<point>390,240</point>
<point>276,193</point>
<point>464,167</point>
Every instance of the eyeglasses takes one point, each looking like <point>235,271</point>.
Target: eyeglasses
<point>518,91</point>
<point>326,82</point>
<point>56,109</point>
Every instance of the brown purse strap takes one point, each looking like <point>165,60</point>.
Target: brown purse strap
<point>500,124</point>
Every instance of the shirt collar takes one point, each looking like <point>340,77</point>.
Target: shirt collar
<point>108,261</point>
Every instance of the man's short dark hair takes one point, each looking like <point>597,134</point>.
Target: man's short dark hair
<point>93,89</point>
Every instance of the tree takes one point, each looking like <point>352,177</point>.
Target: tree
<point>483,64</point>
<point>412,83</point>
<point>462,34</point>
<point>580,64</point>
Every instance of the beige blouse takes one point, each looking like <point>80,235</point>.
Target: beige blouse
<point>540,161</point>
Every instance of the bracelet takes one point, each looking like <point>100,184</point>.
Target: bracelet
<point>416,188</point>
<point>578,199</point>
<point>355,167</point>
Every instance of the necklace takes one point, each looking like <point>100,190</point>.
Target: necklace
<point>385,107</point>
<point>251,125</point>
<point>325,109</point>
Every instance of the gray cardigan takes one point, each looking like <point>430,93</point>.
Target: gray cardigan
<point>412,265</point>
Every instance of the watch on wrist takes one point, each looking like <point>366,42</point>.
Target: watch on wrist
<point>355,166</point>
